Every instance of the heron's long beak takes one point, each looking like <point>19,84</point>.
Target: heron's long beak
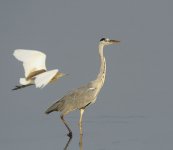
<point>114,41</point>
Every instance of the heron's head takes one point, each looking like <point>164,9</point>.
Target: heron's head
<point>106,41</point>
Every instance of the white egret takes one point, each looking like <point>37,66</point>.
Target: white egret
<point>35,69</point>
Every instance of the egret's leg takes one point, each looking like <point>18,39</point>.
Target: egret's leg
<point>21,86</point>
<point>65,123</point>
<point>80,120</point>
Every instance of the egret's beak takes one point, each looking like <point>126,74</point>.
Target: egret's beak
<point>63,74</point>
<point>60,74</point>
<point>114,41</point>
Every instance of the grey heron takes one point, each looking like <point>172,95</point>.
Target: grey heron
<point>85,95</point>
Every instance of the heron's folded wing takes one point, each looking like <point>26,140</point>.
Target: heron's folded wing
<point>33,60</point>
<point>43,79</point>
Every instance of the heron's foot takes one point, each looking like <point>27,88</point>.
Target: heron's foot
<point>69,134</point>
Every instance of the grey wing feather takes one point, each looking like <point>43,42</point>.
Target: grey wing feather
<point>58,106</point>
<point>80,97</point>
<point>75,99</point>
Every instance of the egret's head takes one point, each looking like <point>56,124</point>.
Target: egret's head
<point>59,75</point>
<point>106,41</point>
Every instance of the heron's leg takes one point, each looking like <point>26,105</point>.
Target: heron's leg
<point>80,120</point>
<point>80,142</point>
<point>65,123</point>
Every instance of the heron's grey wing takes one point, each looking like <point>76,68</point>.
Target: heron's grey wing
<point>79,98</point>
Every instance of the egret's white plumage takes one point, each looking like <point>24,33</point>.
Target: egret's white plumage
<point>35,68</point>
<point>32,60</point>
<point>43,79</point>
<point>23,81</point>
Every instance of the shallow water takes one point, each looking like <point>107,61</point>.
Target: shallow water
<point>101,132</point>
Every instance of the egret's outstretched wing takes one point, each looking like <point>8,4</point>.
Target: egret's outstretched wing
<point>43,79</point>
<point>33,60</point>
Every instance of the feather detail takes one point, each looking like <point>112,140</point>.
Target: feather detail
<point>32,60</point>
<point>43,79</point>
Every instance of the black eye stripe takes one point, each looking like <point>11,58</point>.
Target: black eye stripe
<point>103,39</point>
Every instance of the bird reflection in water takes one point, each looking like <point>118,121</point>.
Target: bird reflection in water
<point>80,143</point>
<point>68,143</point>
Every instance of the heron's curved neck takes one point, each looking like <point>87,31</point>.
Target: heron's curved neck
<point>102,73</point>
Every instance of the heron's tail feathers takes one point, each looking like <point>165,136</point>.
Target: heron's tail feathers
<point>58,106</point>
